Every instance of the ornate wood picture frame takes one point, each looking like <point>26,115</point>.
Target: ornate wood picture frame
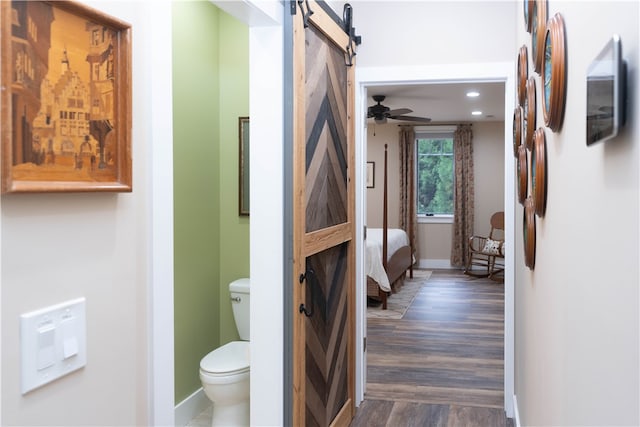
<point>538,28</point>
<point>243,157</point>
<point>539,173</point>
<point>554,73</point>
<point>66,110</point>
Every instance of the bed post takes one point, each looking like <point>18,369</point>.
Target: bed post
<point>385,224</point>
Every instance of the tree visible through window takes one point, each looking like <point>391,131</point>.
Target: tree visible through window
<point>435,174</point>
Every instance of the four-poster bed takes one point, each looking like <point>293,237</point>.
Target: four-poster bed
<point>389,253</point>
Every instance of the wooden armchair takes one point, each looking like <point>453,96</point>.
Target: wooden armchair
<point>486,254</point>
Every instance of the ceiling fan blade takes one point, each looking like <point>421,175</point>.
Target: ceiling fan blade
<point>398,112</point>
<point>411,119</point>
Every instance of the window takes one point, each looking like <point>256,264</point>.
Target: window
<point>434,174</point>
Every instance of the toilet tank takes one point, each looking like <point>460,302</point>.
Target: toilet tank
<point>239,290</point>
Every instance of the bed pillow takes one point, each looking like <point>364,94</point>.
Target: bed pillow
<point>493,247</point>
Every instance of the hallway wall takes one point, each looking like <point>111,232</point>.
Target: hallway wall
<point>577,313</point>
<point>56,247</point>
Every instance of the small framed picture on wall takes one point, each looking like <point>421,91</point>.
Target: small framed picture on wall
<point>371,174</point>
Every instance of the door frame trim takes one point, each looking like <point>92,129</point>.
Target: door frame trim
<point>367,77</point>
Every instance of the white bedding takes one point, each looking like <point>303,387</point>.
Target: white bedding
<point>396,238</point>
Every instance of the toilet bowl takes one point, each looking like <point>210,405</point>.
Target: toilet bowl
<point>225,380</point>
<point>224,372</point>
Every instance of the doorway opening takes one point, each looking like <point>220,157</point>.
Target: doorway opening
<point>369,80</point>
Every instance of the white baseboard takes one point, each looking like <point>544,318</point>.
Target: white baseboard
<point>516,414</point>
<point>431,264</point>
<point>191,407</point>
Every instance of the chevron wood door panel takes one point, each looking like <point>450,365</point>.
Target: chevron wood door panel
<point>323,223</point>
<point>326,337</point>
<point>326,133</point>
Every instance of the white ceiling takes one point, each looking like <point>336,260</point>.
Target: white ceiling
<point>444,102</point>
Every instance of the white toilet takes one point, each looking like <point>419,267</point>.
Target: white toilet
<point>225,371</point>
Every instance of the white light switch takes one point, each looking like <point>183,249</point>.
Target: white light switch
<point>69,339</point>
<point>53,343</point>
<point>46,346</point>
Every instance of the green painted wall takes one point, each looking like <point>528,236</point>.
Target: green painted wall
<point>211,243</point>
<point>234,103</point>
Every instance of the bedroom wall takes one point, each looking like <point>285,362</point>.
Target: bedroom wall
<point>435,239</point>
<point>211,69</point>
<point>577,313</point>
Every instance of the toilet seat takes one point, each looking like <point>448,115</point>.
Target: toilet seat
<point>230,359</point>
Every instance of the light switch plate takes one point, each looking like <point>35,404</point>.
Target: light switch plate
<point>53,343</point>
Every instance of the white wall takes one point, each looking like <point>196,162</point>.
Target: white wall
<point>577,323</point>
<point>61,246</point>
<point>435,239</point>
<point>433,32</point>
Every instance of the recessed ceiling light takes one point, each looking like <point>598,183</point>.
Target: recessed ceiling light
<point>476,113</point>
<point>473,94</point>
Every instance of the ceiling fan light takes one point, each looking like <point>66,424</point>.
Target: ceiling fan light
<point>381,120</point>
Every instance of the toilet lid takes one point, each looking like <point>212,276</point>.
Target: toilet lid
<point>230,358</point>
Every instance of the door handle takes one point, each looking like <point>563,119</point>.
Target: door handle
<point>305,278</point>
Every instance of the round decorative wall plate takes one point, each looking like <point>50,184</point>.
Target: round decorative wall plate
<point>554,73</point>
<point>529,234</point>
<point>517,129</point>
<point>523,73</point>
<point>538,27</point>
<point>530,113</point>
<point>539,172</point>
<point>523,174</point>
<point>528,12</point>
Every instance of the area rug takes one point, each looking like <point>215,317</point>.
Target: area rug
<point>398,302</point>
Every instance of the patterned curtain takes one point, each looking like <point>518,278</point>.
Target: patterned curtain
<point>408,220</point>
<point>463,195</point>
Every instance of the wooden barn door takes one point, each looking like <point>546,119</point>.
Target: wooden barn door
<point>323,185</point>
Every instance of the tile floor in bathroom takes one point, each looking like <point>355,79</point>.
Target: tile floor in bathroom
<point>202,420</point>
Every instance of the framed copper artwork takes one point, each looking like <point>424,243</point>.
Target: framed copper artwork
<point>539,172</point>
<point>530,113</point>
<point>528,12</point>
<point>523,174</point>
<point>529,234</point>
<point>538,27</point>
<point>66,99</point>
<point>517,130</point>
<point>523,73</point>
<point>554,73</point>
<point>243,151</point>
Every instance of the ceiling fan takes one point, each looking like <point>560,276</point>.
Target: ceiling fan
<point>381,113</point>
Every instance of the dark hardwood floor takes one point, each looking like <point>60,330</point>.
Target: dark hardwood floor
<point>442,363</point>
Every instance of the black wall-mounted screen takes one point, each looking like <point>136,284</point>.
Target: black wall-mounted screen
<point>606,88</point>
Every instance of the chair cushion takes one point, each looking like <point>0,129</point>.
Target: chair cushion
<point>493,247</point>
